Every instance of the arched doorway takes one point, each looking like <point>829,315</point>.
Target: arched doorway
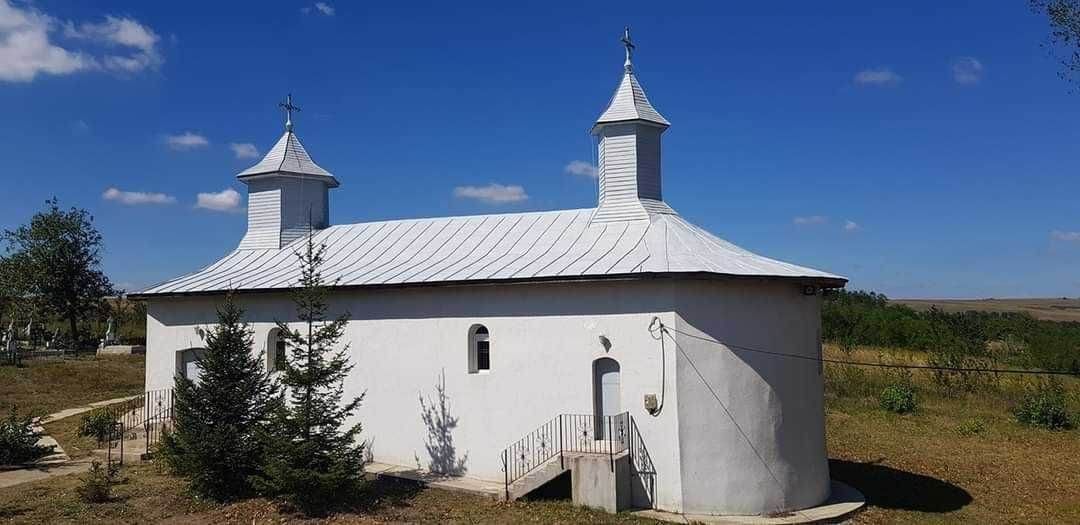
<point>606,393</point>
<point>188,364</point>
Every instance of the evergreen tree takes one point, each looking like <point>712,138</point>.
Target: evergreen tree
<point>220,421</point>
<point>315,460</point>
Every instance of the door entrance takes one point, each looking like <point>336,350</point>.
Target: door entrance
<point>606,394</point>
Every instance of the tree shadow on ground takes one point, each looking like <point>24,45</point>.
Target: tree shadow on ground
<point>891,488</point>
<point>440,423</point>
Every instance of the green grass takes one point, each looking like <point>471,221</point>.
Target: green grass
<point>924,468</point>
<point>49,385</point>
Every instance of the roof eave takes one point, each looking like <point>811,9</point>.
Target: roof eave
<point>330,180</point>
<point>819,281</point>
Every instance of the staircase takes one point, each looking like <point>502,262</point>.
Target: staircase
<point>580,444</point>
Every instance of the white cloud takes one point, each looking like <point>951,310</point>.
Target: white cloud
<point>79,125</point>
<point>27,47</point>
<point>851,227</point>
<point>186,141</point>
<point>321,8</point>
<point>136,42</point>
<point>877,77</point>
<point>137,197</point>
<point>244,150</point>
<point>966,70</point>
<point>810,219</point>
<point>580,167</point>
<point>493,193</point>
<point>1065,236</point>
<point>225,200</point>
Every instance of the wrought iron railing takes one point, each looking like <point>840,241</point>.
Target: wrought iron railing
<point>566,433</point>
<point>151,410</point>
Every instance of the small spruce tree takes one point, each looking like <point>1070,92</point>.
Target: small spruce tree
<point>219,422</point>
<point>314,460</point>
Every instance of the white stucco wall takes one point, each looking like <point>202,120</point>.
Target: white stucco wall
<point>751,425</point>
<point>544,339</point>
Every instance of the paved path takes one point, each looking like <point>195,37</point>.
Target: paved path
<point>57,464</point>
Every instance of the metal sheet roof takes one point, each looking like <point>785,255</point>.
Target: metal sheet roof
<point>288,156</point>
<point>630,103</point>
<point>519,246</point>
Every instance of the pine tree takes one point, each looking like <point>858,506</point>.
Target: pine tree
<point>219,434</point>
<point>315,459</point>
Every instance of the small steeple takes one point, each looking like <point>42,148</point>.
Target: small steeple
<point>287,192</point>
<point>629,132</point>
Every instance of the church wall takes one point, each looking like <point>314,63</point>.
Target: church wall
<point>405,342</point>
<point>751,425</point>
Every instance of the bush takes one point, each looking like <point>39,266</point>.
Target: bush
<point>98,424</point>
<point>96,485</point>
<point>970,427</point>
<point>18,439</point>
<point>1044,407</point>
<point>899,399</point>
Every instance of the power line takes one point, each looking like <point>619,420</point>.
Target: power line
<point>665,328</point>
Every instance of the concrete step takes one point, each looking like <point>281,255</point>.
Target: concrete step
<point>537,478</point>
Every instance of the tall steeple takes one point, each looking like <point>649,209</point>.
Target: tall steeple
<point>287,192</point>
<point>629,132</point>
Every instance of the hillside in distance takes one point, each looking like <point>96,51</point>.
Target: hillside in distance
<point>1060,309</point>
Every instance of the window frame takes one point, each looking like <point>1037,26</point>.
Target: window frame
<point>479,345</point>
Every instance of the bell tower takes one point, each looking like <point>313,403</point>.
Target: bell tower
<point>629,151</point>
<point>287,192</point>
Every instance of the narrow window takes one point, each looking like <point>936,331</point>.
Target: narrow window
<point>479,349</point>
<point>275,351</point>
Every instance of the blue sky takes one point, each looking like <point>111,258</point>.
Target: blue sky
<point>923,150</point>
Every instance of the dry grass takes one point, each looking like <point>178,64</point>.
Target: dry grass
<point>921,468</point>
<point>1046,309</point>
<point>49,385</point>
<point>150,496</point>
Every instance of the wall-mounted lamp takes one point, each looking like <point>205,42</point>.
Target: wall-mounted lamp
<point>809,290</point>
<point>606,343</point>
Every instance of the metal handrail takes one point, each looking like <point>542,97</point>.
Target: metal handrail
<point>576,433</point>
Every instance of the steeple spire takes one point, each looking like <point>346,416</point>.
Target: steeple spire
<point>629,132</point>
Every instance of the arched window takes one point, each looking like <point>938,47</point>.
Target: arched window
<point>479,349</point>
<point>275,351</point>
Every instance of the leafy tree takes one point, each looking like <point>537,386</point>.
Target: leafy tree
<point>220,422</point>
<point>1064,19</point>
<point>55,260</point>
<point>314,458</point>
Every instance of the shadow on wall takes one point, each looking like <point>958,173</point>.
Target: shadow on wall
<point>440,425</point>
<point>890,488</point>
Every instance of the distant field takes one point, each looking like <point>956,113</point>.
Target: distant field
<point>1048,309</point>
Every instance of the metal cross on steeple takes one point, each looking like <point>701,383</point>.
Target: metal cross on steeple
<point>629,49</point>
<point>289,108</point>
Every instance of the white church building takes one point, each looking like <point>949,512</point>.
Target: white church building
<point>496,346</point>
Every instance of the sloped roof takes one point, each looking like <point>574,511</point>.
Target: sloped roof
<point>288,156</point>
<point>630,103</point>
<point>510,247</point>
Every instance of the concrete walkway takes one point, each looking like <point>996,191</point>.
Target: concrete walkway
<point>843,501</point>
<point>488,489</point>
<point>58,463</point>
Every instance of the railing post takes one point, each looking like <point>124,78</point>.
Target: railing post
<point>610,449</point>
<point>562,463</point>
<point>506,476</point>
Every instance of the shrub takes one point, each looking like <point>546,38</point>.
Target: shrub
<point>18,439</point>
<point>96,485</point>
<point>1044,407</point>
<point>970,427</point>
<point>899,398</point>
<point>99,424</point>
